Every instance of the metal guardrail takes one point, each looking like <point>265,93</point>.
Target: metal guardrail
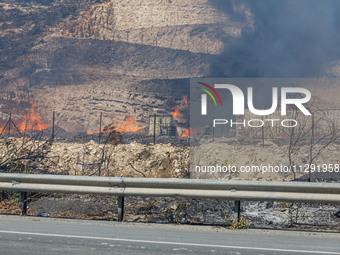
<point>170,187</point>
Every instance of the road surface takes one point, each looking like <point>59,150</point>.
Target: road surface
<point>32,235</point>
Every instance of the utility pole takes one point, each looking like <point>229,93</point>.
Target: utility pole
<point>100,127</point>
<point>9,123</point>
<point>53,121</point>
<point>154,128</point>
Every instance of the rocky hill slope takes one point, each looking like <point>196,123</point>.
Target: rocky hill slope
<point>83,58</point>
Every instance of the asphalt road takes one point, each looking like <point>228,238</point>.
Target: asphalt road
<point>31,235</point>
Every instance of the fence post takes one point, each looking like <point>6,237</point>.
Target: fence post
<point>100,127</point>
<point>154,129</point>
<point>23,204</point>
<point>53,124</point>
<point>237,211</point>
<point>120,208</point>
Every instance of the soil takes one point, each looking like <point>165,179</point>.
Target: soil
<point>272,215</point>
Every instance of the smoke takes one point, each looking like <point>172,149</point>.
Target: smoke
<point>290,38</point>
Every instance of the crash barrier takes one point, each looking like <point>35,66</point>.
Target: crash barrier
<point>236,190</point>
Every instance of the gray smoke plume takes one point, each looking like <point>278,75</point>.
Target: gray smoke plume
<point>291,38</point>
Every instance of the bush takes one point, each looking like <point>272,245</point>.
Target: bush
<point>242,223</point>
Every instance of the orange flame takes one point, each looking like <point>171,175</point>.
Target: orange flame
<point>129,125</point>
<point>187,133</point>
<point>176,113</point>
<point>32,121</point>
<point>90,132</point>
<point>185,99</point>
<point>2,130</point>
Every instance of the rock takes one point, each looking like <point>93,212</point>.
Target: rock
<point>42,214</point>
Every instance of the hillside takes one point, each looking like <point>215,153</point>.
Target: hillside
<point>84,58</point>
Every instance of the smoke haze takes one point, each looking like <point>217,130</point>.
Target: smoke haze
<point>291,38</point>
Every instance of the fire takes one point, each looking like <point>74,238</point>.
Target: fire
<point>32,121</point>
<point>176,113</point>
<point>129,125</point>
<point>3,130</point>
<point>90,132</point>
<point>185,99</point>
<point>188,132</point>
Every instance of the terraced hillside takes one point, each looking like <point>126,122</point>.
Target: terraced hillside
<point>118,58</point>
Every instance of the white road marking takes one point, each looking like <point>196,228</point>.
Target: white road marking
<point>168,243</point>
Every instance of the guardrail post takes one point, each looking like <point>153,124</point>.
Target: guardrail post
<point>237,210</point>
<point>120,208</point>
<point>23,202</point>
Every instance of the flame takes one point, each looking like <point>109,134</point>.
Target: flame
<point>2,130</point>
<point>176,113</point>
<point>188,132</point>
<point>32,121</point>
<point>185,99</point>
<point>99,131</point>
<point>129,125</point>
<point>90,132</point>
